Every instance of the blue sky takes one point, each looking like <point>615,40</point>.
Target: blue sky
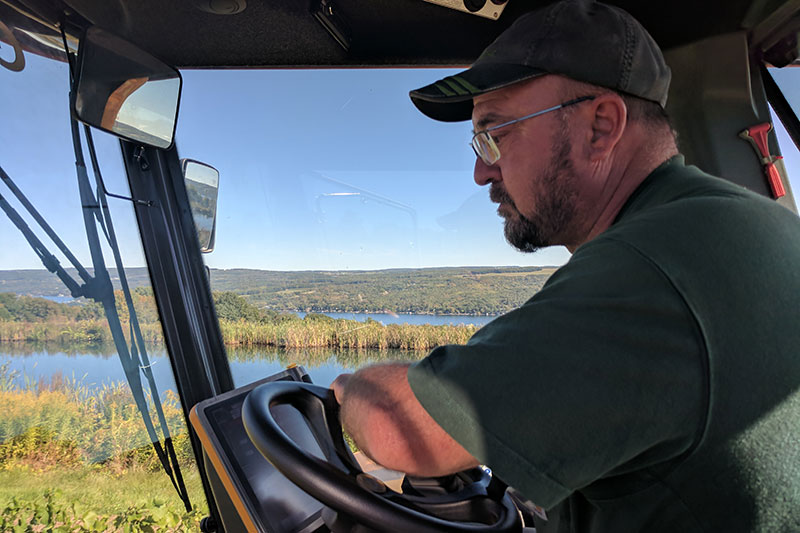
<point>303,140</point>
<point>318,170</point>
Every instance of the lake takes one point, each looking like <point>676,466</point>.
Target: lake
<point>95,370</point>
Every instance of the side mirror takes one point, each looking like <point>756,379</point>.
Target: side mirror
<point>202,185</point>
<point>125,91</point>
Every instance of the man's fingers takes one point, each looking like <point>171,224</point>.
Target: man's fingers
<point>339,385</point>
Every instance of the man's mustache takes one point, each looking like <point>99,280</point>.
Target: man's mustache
<point>499,195</point>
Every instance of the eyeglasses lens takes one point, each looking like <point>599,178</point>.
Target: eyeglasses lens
<point>485,148</point>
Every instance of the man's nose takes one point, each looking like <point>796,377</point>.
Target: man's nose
<point>485,174</point>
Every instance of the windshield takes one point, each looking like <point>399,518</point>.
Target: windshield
<point>340,199</point>
<point>349,231</point>
<point>89,414</point>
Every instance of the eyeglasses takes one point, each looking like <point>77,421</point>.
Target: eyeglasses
<point>484,144</point>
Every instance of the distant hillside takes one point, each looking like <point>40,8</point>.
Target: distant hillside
<point>43,283</point>
<point>452,290</point>
<point>457,290</point>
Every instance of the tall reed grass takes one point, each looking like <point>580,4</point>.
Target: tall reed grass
<point>343,334</point>
<point>291,333</point>
<point>75,333</point>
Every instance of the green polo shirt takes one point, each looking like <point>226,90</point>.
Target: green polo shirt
<point>653,384</point>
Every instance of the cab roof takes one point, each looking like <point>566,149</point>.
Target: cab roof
<point>377,33</point>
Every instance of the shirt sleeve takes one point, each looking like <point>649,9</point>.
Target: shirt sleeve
<point>600,373</point>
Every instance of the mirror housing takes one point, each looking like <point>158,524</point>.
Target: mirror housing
<point>125,91</point>
<point>202,185</point>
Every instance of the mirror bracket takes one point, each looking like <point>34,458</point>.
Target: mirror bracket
<point>140,157</point>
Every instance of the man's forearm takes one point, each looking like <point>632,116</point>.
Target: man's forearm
<point>386,421</point>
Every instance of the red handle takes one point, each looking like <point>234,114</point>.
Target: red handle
<point>758,136</point>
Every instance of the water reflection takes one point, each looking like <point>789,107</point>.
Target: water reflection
<point>96,366</point>
<point>322,364</point>
<point>27,349</point>
<point>314,357</point>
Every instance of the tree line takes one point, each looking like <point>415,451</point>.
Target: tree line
<point>451,290</point>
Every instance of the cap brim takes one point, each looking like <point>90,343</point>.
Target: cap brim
<point>450,99</point>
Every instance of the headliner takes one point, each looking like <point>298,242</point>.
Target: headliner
<point>283,33</point>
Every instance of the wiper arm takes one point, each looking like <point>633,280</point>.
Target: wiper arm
<point>49,261</point>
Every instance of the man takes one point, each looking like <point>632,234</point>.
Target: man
<point>652,384</point>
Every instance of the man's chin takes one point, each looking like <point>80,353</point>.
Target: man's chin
<point>520,239</point>
<point>525,246</point>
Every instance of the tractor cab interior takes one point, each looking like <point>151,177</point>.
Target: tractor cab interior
<point>270,452</point>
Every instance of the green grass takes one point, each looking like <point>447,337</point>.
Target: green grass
<point>90,499</point>
<point>72,459</point>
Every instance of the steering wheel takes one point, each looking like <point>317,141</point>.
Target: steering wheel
<point>481,505</point>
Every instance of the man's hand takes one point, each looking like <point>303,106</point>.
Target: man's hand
<point>381,413</point>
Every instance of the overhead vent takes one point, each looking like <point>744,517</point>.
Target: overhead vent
<point>221,7</point>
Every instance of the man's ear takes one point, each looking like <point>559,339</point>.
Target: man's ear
<point>608,119</point>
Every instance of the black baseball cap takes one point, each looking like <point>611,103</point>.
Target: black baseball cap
<point>582,39</point>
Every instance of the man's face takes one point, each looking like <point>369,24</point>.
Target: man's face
<point>534,181</point>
